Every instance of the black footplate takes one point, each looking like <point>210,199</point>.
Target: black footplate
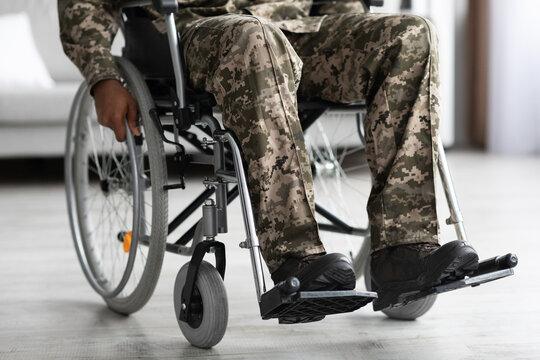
<point>284,301</point>
<point>488,270</point>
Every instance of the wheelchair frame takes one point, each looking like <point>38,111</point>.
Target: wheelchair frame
<point>275,302</point>
<point>312,111</point>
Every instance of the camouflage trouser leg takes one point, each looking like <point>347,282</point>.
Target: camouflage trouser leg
<point>392,62</point>
<point>253,72</point>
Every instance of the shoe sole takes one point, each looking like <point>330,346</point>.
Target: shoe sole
<point>334,273</point>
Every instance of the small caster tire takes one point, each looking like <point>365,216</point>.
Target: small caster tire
<point>210,310</point>
<point>411,311</point>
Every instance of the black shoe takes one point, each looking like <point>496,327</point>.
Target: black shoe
<point>329,272</point>
<point>319,272</point>
<point>410,268</point>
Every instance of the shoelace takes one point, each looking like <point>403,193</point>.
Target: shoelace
<point>424,247</point>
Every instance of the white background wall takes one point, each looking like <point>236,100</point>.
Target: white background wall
<point>514,77</point>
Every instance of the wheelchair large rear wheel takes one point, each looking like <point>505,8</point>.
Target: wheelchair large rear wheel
<point>116,202</point>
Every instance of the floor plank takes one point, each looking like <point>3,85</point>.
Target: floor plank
<point>48,311</point>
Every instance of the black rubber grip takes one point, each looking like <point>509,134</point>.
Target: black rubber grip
<point>497,263</point>
<point>289,285</point>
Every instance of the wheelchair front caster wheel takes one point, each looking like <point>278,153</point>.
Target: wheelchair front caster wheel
<point>209,309</point>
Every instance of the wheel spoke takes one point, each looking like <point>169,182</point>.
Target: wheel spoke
<point>341,183</point>
<point>94,148</point>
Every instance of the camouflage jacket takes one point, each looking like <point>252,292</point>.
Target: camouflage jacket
<point>87,28</point>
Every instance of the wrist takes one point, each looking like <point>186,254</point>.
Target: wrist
<point>102,80</point>
<point>104,84</point>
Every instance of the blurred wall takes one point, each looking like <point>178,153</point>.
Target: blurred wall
<point>513,114</point>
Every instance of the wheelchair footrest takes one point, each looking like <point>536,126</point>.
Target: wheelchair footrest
<point>481,276</point>
<point>275,304</point>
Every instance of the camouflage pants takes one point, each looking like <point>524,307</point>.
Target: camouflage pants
<point>254,71</point>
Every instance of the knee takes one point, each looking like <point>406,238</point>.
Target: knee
<point>259,32</point>
<point>251,34</point>
<point>256,44</point>
<point>248,31</point>
<point>416,34</point>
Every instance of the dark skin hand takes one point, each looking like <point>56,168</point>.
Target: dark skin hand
<point>113,105</point>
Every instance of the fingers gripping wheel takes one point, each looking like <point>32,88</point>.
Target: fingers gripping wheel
<point>209,312</point>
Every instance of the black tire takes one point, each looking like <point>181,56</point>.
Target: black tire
<point>209,326</point>
<point>411,311</point>
<point>100,194</point>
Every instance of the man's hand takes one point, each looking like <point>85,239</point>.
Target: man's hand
<point>113,104</point>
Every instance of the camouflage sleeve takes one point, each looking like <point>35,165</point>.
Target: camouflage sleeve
<point>87,29</point>
<point>338,7</point>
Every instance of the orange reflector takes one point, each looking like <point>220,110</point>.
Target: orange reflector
<point>127,241</point>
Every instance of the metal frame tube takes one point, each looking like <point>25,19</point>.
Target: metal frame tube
<point>221,188</point>
<point>247,212</point>
<point>221,203</point>
<point>456,218</point>
<point>190,209</point>
<point>174,46</point>
<point>225,175</point>
<point>338,225</point>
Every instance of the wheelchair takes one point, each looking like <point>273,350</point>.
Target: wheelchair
<point>117,196</point>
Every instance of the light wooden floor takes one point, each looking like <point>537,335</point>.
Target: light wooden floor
<point>48,311</point>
